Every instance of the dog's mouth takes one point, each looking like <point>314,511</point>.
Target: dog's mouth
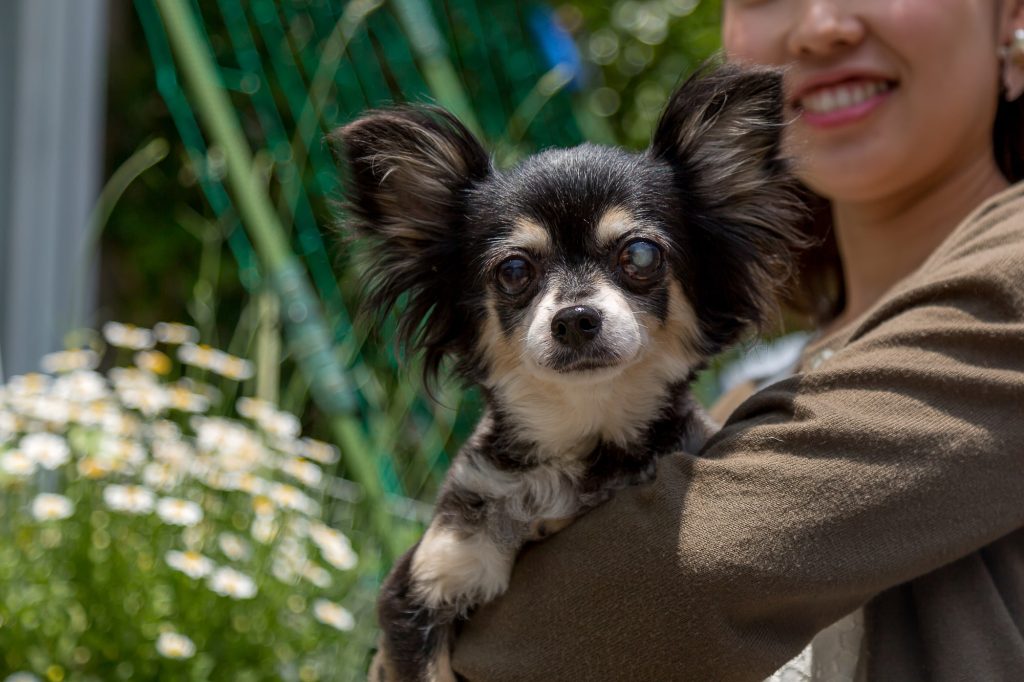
<point>579,364</point>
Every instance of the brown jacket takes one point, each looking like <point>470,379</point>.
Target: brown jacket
<point>890,476</point>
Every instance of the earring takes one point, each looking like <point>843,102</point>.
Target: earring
<point>1013,66</point>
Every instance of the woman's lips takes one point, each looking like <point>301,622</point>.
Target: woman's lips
<point>838,104</point>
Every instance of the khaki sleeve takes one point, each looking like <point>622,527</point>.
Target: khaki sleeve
<point>903,452</point>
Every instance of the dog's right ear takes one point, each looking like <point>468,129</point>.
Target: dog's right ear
<point>409,169</point>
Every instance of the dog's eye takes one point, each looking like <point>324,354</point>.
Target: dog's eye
<point>514,275</point>
<point>640,260</point>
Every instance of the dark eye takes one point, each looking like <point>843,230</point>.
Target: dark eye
<point>514,275</point>
<point>640,260</point>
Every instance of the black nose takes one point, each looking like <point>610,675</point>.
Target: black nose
<point>576,326</point>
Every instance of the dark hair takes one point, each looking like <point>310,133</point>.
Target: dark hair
<point>819,292</point>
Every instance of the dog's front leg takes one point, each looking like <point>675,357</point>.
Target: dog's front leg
<point>454,567</point>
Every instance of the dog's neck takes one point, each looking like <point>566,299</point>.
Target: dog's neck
<point>542,421</point>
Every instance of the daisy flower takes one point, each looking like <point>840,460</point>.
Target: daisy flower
<point>179,512</point>
<point>234,547</point>
<point>127,336</point>
<point>228,582</point>
<point>69,361</point>
<point>192,564</point>
<point>318,451</point>
<point>290,497</point>
<point>302,470</point>
<point>16,463</point>
<point>335,615</point>
<point>175,333</point>
<point>51,507</point>
<point>46,449</point>
<point>133,499</point>
<point>81,386</point>
<point>8,426</point>
<point>175,645</point>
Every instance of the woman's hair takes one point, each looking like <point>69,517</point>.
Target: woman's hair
<point>819,292</point>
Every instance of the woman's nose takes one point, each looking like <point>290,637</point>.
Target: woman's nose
<point>824,27</point>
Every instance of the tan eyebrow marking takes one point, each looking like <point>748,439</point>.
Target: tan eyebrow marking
<point>613,224</point>
<point>529,235</point>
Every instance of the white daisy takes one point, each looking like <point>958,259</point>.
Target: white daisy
<point>230,367</point>
<point>234,547</point>
<point>32,383</point>
<point>16,463</point>
<point>176,454</point>
<point>81,386</point>
<point>181,398</point>
<point>325,453</point>
<point>228,582</point>
<point>192,564</point>
<point>46,449</point>
<point>316,575</point>
<point>175,333</point>
<point>200,355</point>
<point>44,408</point>
<point>280,424</point>
<point>69,361</point>
<point>8,425</point>
<point>51,507</point>
<point>94,467</point>
<point>179,512</point>
<point>335,615</point>
<point>127,336</point>
<point>160,476</point>
<point>341,557</point>
<point>264,529</point>
<point>254,408</point>
<point>133,499</point>
<point>164,430</point>
<point>174,645</point>
<point>303,470</point>
<point>121,454</point>
<point>290,497</point>
<point>149,400</point>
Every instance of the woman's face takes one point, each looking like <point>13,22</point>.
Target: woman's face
<point>886,95</point>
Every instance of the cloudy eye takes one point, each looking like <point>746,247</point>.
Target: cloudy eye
<point>640,260</point>
<point>514,275</point>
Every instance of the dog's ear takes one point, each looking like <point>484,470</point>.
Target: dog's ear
<point>409,170</point>
<point>721,134</point>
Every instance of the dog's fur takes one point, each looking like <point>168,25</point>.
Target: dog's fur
<point>580,290</point>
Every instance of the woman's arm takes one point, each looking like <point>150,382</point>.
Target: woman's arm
<point>902,453</point>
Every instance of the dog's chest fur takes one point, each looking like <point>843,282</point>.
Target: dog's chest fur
<point>536,460</point>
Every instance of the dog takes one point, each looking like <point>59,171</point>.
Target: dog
<point>580,291</point>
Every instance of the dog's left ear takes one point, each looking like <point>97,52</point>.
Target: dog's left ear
<point>721,134</point>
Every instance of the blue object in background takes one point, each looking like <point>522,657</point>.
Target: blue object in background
<point>557,45</point>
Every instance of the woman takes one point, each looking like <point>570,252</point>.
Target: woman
<point>883,485</point>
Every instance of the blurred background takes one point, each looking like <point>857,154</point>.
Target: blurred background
<point>163,161</point>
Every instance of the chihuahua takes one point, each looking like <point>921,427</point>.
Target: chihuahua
<point>580,291</point>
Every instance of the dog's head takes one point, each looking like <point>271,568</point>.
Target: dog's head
<point>578,263</point>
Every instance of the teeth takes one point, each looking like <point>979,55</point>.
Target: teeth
<point>842,96</point>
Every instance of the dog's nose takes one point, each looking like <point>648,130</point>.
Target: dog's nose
<point>576,326</point>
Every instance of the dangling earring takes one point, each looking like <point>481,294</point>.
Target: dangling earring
<point>1013,66</point>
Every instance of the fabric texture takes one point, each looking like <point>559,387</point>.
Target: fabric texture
<point>890,477</point>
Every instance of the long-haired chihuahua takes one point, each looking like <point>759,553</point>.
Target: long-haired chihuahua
<point>580,291</point>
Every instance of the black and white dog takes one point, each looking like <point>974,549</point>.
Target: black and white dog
<point>580,290</point>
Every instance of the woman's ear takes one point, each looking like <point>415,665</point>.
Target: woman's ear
<point>1012,48</point>
<point>409,171</point>
<point>721,134</point>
